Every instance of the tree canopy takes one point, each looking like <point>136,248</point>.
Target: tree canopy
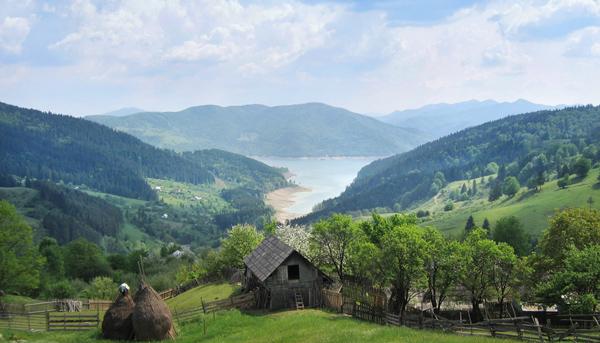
<point>20,261</point>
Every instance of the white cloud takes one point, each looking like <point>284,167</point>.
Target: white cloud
<point>171,54</point>
<point>13,32</point>
<point>584,43</point>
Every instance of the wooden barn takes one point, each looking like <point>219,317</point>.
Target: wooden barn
<point>284,278</point>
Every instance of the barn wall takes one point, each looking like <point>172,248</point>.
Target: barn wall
<point>283,290</point>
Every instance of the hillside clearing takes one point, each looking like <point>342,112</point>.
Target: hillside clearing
<point>533,209</point>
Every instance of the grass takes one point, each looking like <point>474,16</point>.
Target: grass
<point>533,209</point>
<point>194,297</point>
<point>289,326</point>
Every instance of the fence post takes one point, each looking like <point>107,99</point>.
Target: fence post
<point>203,307</point>
<point>48,320</point>
<point>539,329</point>
<point>29,321</point>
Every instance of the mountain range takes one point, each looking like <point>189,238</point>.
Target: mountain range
<point>439,120</point>
<point>312,129</point>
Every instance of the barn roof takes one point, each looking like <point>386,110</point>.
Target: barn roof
<point>269,255</point>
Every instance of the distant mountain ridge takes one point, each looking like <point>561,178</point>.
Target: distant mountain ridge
<point>125,111</point>
<point>439,120</point>
<point>311,129</point>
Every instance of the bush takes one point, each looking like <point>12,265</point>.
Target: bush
<point>59,290</point>
<point>101,287</point>
<point>449,207</point>
<point>564,182</point>
<point>510,186</point>
<point>582,166</point>
<point>421,214</point>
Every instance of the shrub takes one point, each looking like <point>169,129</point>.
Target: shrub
<point>101,287</point>
<point>59,290</point>
<point>449,207</point>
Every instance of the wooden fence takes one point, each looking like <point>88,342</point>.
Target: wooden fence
<point>243,301</point>
<point>48,321</point>
<point>23,321</point>
<point>71,322</point>
<point>168,294</point>
<point>61,305</point>
<point>575,328</point>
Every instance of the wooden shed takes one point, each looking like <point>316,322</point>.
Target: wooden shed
<point>284,278</point>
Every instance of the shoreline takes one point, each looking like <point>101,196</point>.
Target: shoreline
<point>283,198</point>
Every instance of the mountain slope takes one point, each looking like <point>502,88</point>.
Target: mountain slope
<point>58,147</point>
<point>297,130</point>
<point>439,120</point>
<point>546,142</point>
<point>64,148</point>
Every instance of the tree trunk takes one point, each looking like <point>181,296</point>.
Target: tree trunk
<point>476,311</point>
<point>434,305</point>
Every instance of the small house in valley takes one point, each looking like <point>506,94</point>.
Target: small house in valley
<point>282,276</point>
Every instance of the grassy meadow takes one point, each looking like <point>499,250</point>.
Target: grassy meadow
<point>194,297</point>
<point>533,209</point>
<point>288,326</point>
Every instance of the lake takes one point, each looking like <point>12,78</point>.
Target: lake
<point>322,178</point>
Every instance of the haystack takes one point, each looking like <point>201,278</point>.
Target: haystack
<point>117,323</point>
<point>152,319</point>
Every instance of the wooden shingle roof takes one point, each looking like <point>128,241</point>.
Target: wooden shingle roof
<point>269,255</point>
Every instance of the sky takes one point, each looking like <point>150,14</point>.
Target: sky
<point>84,57</point>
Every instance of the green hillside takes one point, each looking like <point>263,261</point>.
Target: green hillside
<point>290,326</point>
<point>544,145</point>
<point>42,145</point>
<point>532,208</point>
<point>297,130</point>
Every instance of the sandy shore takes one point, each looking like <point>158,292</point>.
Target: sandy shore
<point>282,199</point>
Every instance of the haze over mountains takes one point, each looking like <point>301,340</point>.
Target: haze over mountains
<point>439,120</point>
<point>122,112</point>
<point>311,129</point>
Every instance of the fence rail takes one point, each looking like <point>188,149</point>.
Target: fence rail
<point>48,321</point>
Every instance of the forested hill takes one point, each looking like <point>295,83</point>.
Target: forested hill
<point>534,145</point>
<point>297,130</point>
<point>238,169</point>
<point>57,147</point>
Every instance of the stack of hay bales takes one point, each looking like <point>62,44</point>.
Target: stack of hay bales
<point>145,318</point>
<point>117,322</point>
<point>152,318</point>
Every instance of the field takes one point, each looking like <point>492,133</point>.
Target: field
<point>289,326</point>
<point>533,209</point>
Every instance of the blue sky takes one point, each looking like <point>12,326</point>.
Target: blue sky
<point>84,56</point>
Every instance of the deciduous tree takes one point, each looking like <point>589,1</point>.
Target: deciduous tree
<point>239,243</point>
<point>333,237</point>
<point>20,261</point>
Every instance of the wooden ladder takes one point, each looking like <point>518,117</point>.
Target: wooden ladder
<point>299,301</point>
